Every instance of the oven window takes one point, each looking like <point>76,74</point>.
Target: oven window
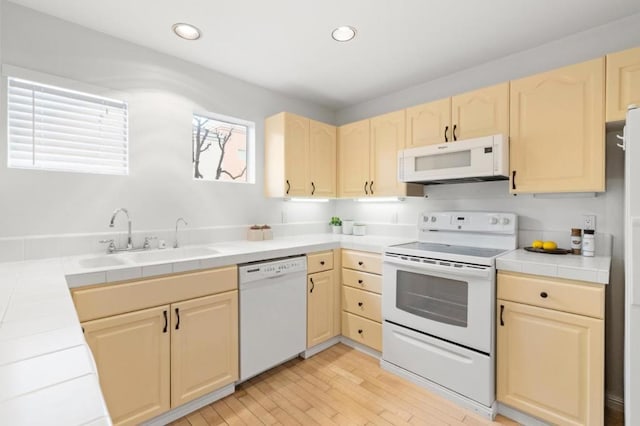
<point>434,298</point>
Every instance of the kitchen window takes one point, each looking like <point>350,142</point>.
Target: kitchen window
<point>59,129</point>
<point>222,148</point>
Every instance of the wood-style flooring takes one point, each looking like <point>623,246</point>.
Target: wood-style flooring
<point>340,386</point>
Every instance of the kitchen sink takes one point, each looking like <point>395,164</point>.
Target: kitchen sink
<point>101,261</point>
<point>173,254</point>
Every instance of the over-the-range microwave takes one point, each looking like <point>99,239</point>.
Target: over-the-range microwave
<point>470,160</point>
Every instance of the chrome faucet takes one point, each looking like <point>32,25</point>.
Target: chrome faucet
<point>113,218</point>
<point>175,243</point>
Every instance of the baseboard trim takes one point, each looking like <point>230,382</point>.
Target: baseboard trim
<point>320,347</point>
<point>362,348</point>
<point>190,407</point>
<point>482,410</point>
<point>615,403</point>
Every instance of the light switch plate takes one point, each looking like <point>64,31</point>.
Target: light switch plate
<point>589,221</point>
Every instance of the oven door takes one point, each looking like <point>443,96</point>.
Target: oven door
<point>452,303</point>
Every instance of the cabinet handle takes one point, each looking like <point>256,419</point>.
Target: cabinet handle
<point>446,129</point>
<point>313,188</point>
<point>82,330</point>
<point>166,321</point>
<point>360,331</point>
<point>371,187</point>
<point>359,281</point>
<point>178,316</point>
<point>361,263</point>
<point>365,188</point>
<point>501,312</point>
<point>455,138</point>
<point>513,179</point>
<point>360,304</point>
<point>288,186</point>
<point>322,262</point>
<point>544,295</point>
<point>312,285</point>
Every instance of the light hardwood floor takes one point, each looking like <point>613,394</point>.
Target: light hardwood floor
<point>340,386</point>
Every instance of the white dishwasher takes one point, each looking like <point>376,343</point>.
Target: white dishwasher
<point>273,313</point>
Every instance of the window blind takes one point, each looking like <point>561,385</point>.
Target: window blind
<point>52,128</point>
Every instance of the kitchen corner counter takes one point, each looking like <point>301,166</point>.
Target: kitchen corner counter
<point>47,372</point>
<point>572,267</point>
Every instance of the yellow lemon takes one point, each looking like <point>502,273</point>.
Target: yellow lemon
<point>549,245</point>
<point>537,244</point>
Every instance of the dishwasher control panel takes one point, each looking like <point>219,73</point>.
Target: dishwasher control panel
<point>272,268</point>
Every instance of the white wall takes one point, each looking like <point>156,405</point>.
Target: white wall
<point>162,92</point>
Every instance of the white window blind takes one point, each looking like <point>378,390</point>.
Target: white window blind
<point>52,128</point>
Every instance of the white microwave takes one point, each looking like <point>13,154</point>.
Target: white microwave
<point>470,160</point>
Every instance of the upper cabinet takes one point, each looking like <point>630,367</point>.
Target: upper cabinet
<point>623,82</point>
<point>557,141</point>
<point>300,157</point>
<point>368,157</point>
<point>473,114</point>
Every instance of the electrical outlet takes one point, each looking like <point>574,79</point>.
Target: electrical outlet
<point>589,221</point>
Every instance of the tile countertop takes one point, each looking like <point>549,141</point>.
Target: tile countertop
<point>47,373</point>
<point>569,266</point>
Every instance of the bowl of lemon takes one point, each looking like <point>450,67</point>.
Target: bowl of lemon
<point>549,247</point>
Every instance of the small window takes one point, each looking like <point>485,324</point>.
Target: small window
<point>222,149</point>
<point>51,128</point>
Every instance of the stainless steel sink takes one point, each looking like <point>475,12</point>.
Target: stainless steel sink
<point>172,254</point>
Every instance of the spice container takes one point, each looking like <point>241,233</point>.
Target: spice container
<point>255,233</point>
<point>267,233</point>
<point>576,240</point>
<point>589,243</point>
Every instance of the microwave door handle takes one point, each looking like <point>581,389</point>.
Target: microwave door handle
<point>428,267</point>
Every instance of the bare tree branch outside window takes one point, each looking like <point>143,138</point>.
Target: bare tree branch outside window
<point>219,150</point>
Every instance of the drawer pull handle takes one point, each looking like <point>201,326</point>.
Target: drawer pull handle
<point>544,295</point>
<point>359,281</point>
<point>360,263</point>
<point>501,312</point>
<point>166,321</point>
<point>360,304</point>
<point>360,331</point>
<point>322,262</point>
<point>178,317</point>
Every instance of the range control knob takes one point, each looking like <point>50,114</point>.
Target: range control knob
<point>493,220</point>
<point>505,221</point>
<point>433,218</point>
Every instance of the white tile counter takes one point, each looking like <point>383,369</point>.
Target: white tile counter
<point>47,373</point>
<point>568,266</point>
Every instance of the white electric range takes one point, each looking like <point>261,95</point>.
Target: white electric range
<point>439,303</point>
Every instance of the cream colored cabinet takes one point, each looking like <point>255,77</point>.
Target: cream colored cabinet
<point>557,139</point>
<point>300,157</point>
<point>204,346</point>
<point>368,160</point>
<point>161,342</point>
<point>361,298</point>
<point>550,362</point>
<point>323,297</point>
<point>482,112</point>
<point>623,82</point>
<point>132,354</point>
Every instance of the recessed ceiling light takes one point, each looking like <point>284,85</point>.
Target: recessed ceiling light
<point>343,33</point>
<point>186,31</point>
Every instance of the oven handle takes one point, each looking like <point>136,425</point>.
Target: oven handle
<point>428,267</point>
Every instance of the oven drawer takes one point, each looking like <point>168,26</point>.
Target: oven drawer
<point>362,261</point>
<point>362,330</point>
<point>575,297</point>
<point>462,370</point>
<point>362,303</point>
<point>362,280</point>
<point>319,262</point>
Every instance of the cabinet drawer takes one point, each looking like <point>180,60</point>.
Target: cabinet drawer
<point>362,330</point>
<point>362,280</point>
<point>113,299</point>
<point>318,262</point>
<point>362,261</point>
<point>362,303</point>
<point>575,297</point>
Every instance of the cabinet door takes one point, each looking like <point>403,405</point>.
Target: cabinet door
<point>387,138</point>
<point>132,356</point>
<point>557,130</point>
<point>320,307</point>
<point>296,152</point>
<point>623,82</point>
<point>204,346</point>
<point>482,112</point>
<point>322,159</point>
<point>550,364</point>
<point>429,123</point>
<point>353,159</point>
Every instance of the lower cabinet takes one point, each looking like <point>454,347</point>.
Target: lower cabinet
<point>152,360</point>
<point>550,348</point>
<point>323,321</point>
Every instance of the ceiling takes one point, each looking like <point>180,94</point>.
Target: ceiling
<point>285,45</point>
